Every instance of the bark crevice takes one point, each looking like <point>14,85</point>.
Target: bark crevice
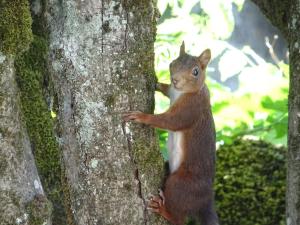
<point>139,191</point>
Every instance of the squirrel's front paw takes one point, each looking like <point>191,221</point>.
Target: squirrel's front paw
<point>136,116</point>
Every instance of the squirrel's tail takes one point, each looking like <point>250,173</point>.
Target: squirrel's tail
<point>209,217</point>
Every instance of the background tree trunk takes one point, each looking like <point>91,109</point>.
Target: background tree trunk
<point>102,64</point>
<point>293,190</point>
<point>286,16</point>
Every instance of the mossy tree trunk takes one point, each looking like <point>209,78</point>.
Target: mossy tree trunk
<point>102,65</point>
<point>101,59</point>
<point>22,198</point>
<point>293,190</point>
<point>286,16</point>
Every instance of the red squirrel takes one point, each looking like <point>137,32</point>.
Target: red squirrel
<point>188,190</point>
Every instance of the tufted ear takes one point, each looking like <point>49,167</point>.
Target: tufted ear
<point>204,58</point>
<point>182,49</point>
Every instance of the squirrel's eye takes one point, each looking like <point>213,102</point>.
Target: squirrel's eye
<point>196,71</point>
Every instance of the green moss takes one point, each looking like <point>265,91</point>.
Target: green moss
<point>132,4</point>
<point>147,159</point>
<point>250,183</point>
<point>109,101</point>
<point>31,73</point>
<point>67,199</point>
<point>39,20</point>
<point>15,26</point>
<point>39,210</point>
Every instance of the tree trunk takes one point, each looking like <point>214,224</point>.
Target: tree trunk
<point>286,17</point>
<point>293,187</point>
<point>22,199</point>
<point>102,64</point>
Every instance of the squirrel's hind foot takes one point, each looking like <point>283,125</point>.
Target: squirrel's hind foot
<point>156,204</point>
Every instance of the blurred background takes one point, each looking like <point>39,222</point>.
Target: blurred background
<point>248,82</point>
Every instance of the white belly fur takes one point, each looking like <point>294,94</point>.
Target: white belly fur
<point>174,139</point>
<point>175,150</point>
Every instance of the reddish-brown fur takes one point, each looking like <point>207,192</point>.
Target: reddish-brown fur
<point>188,191</point>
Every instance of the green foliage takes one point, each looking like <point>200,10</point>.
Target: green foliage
<point>263,117</point>
<point>15,26</point>
<point>163,136</point>
<point>250,183</point>
<point>31,72</point>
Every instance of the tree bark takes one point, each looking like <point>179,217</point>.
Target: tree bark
<point>22,199</point>
<point>286,16</point>
<point>102,64</point>
<point>293,179</point>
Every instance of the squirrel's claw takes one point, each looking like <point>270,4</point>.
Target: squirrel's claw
<point>162,196</point>
<point>131,116</point>
<point>155,202</point>
<point>155,210</point>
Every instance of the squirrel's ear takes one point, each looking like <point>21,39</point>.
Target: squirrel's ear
<point>182,49</point>
<point>204,58</point>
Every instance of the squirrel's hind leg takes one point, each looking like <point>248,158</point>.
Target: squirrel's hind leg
<point>156,204</point>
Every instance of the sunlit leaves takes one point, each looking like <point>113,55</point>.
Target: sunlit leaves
<point>277,105</point>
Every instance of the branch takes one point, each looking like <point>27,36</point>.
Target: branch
<point>277,12</point>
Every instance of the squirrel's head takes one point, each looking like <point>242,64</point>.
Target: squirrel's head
<point>188,72</point>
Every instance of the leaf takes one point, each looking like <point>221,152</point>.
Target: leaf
<point>279,105</point>
<point>218,106</point>
<point>281,129</point>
